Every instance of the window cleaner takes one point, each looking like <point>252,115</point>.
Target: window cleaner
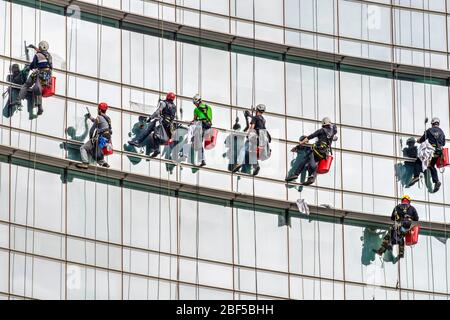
<point>161,126</point>
<point>402,215</point>
<point>436,138</point>
<point>99,136</point>
<point>258,141</point>
<point>41,76</point>
<point>319,158</point>
<point>203,114</point>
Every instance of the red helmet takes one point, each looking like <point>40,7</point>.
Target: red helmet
<point>170,96</point>
<point>103,106</point>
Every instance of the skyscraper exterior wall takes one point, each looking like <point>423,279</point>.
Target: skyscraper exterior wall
<point>162,228</point>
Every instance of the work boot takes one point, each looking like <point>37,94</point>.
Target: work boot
<point>292,177</point>
<point>82,165</point>
<point>203,163</point>
<point>413,181</point>
<point>154,154</point>
<point>437,186</point>
<point>40,110</point>
<point>236,168</point>
<point>133,143</point>
<point>309,181</point>
<point>256,170</point>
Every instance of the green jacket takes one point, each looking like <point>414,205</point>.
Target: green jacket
<point>203,115</point>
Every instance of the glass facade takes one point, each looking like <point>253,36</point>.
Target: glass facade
<point>100,238</point>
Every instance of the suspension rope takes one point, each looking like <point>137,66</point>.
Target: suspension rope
<point>316,191</point>
<point>253,177</point>
<point>161,87</point>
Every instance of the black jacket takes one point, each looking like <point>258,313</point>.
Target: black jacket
<point>324,134</point>
<point>404,211</point>
<point>435,136</point>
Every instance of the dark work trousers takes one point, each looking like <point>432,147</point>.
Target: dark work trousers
<point>311,161</point>
<point>433,170</point>
<point>205,127</point>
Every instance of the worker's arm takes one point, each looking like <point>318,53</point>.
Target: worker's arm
<point>422,138</point>
<point>313,135</point>
<point>209,114</point>
<point>34,63</point>
<point>157,112</point>
<point>393,215</point>
<point>93,128</point>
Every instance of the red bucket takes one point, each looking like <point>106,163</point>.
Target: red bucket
<point>324,165</point>
<point>412,237</point>
<point>443,161</point>
<point>49,90</point>
<point>210,142</point>
<point>108,149</point>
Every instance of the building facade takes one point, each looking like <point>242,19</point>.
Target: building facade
<point>376,68</point>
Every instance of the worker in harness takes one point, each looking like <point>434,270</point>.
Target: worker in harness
<point>257,137</point>
<point>41,75</point>
<point>202,113</point>
<point>16,77</point>
<point>410,151</point>
<point>436,138</point>
<point>319,150</point>
<point>161,125</point>
<point>402,215</point>
<point>100,130</point>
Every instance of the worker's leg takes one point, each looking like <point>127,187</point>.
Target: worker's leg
<point>433,170</point>
<point>301,166</point>
<point>85,150</point>
<point>24,89</point>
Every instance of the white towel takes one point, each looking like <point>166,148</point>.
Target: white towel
<point>302,206</point>
<point>425,153</point>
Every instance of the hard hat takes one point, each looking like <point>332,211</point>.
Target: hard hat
<point>406,197</point>
<point>197,99</point>
<point>170,96</point>
<point>261,108</point>
<point>411,140</point>
<point>435,120</point>
<point>326,121</point>
<point>43,45</point>
<point>103,106</point>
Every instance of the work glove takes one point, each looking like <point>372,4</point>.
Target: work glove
<point>87,116</point>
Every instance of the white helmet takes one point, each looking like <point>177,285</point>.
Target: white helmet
<point>197,99</point>
<point>326,121</point>
<point>261,108</point>
<point>435,120</point>
<point>43,45</point>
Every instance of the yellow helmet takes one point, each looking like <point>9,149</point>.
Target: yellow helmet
<point>406,197</point>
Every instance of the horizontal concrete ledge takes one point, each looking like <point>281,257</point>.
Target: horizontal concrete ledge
<point>220,195</point>
<point>228,40</point>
